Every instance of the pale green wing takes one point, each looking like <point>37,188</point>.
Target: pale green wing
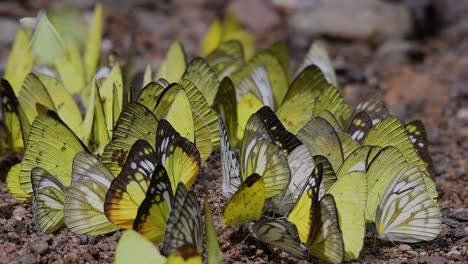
<point>13,184</point>
<point>84,202</point>
<point>32,94</point>
<point>330,99</point>
<point>200,73</point>
<point>174,65</point>
<point>49,196</point>
<point>133,247</point>
<point>406,212</point>
<point>184,225</point>
<point>267,160</point>
<point>46,44</point>
<point>322,139</point>
<point>318,55</point>
<point>299,101</point>
<point>20,60</point>
<point>226,58</point>
<point>93,43</point>
<point>225,105</point>
<point>383,168</point>
<point>63,101</point>
<point>214,255</point>
<point>52,146</point>
<point>350,196</point>
<point>135,122</point>
<point>106,91</point>
<point>391,132</point>
<point>356,161</point>
<point>206,113</point>
<point>149,95</point>
<point>279,233</point>
<point>348,144</point>
<point>327,241</point>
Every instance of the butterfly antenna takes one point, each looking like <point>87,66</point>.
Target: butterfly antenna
<point>248,235</point>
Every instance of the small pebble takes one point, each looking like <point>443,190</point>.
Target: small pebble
<point>404,247</point>
<point>19,213</point>
<point>83,239</point>
<point>463,113</point>
<point>461,216</point>
<point>454,254</point>
<point>412,253</point>
<point>29,259</point>
<point>433,260</point>
<point>39,247</point>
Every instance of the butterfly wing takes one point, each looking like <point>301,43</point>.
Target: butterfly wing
<point>133,246</point>
<point>406,212</point>
<point>184,225</point>
<point>322,139</point>
<point>128,190</point>
<point>52,146</point>
<point>350,193</point>
<point>84,202</point>
<point>327,242</point>
<point>247,203</point>
<point>154,211</point>
<point>229,163</point>
<point>49,196</point>
<point>281,234</point>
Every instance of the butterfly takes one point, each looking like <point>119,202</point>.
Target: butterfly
<point>398,189</point>
<point>417,134</point>
<point>318,55</point>
<point>406,212</point>
<point>186,106</point>
<point>84,200</point>
<point>52,146</point>
<point>16,124</point>
<point>391,132</point>
<point>135,122</point>
<point>49,197</point>
<point>182,237</point>
<point>179,157</point>
<point>279,233</point>
<point>227,58</point>
<point>228,30</point>
<point>315,215</point>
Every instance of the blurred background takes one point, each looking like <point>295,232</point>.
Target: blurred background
<point>414,52</point>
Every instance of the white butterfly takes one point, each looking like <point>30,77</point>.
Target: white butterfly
<point>406,212</point>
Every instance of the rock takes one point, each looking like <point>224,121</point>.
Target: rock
<point>359,19</point>
<point>404,247</point>
<point>29,259</point>
<point>462,114</point>
<point>84,239</point>
<point>19,213</point>
<point>449,11</point>
<point>463,215</point>
<point>433,259</point>
<point>412,253</point>
<point>39,247</point>
<point>9,28</point>
<point>458,232</point>
<point>248,12</point>
<point>454,254</point>
<point>392,54</point>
